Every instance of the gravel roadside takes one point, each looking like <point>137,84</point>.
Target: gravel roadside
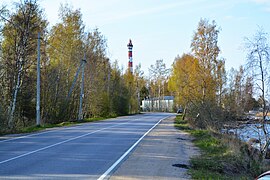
<point>162,154</point>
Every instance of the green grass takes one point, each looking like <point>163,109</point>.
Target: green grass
<point>181,124</point>
<point>36,128</point>
<point>216,160</point>
<point>95,119</point>
<point>209,144</point>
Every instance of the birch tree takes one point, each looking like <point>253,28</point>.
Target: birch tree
<point>119,91</point>
<point>65,49</point>
<point>258,59</point>
<point>98,72</point>
<point>158,75</point>
<point>19,49</point>
<point>184,81</point>
<point>204,46</point>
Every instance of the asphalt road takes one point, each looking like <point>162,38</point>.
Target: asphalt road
<point>164,154</point>
<point>86,151</point>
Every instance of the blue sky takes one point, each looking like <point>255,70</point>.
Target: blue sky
<point>162,29</point>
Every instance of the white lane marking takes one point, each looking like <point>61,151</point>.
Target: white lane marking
<point>47,131</point>
<point>35,134</point>
<point>62,142</point>
<point>103,176</point>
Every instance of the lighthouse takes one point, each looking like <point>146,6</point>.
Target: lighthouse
<point>130,65</point>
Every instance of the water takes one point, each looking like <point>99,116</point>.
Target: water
<point>255,131</point>
<point>252,131</point>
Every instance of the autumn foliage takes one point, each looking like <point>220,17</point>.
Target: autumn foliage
<point>64,46</point>
<point>197,78</point>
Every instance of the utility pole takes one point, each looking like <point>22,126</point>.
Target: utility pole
<point>80,116</point>
<point>38,83</point>
<point>74,81</point>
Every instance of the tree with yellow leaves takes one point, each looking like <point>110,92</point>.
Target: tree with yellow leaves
<point>198,79</point>
<point>185,81</point>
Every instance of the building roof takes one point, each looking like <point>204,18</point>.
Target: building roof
<point>162,98</point>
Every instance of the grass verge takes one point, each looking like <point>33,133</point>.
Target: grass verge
<point>217,160</point>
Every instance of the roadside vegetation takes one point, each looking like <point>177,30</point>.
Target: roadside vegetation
<point>222,156</point>
<point>109,90</point>
<point>216,100</point>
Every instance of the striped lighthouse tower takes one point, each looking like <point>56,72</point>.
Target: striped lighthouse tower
<point>130,65</point>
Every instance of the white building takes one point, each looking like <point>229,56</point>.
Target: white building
<point>164,104</point>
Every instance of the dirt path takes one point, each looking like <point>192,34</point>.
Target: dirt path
<point>158,155</point>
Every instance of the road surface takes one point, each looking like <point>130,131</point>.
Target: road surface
<point>85,151</point>
<point>163,154</point>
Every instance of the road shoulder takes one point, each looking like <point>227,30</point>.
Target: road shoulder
<point>160,155</point>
